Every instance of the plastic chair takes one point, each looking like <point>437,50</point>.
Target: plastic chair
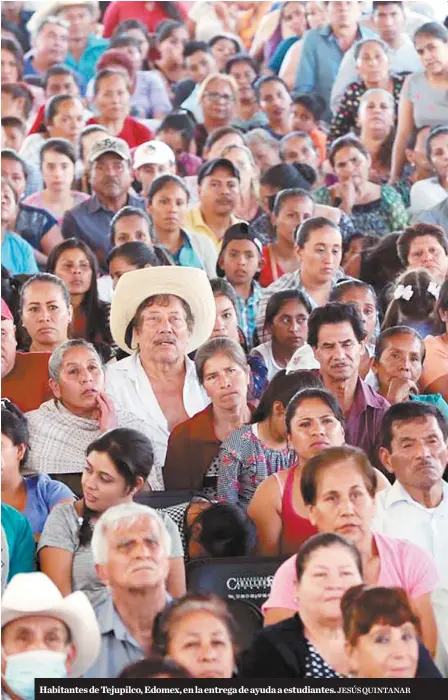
<point>249,619</point>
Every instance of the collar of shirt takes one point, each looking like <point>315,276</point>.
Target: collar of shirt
<point>396,494</point>
<point>197,223</point>
<point>186,254</point>
<point>110,622</point>
<point>134,368</point>
<point>365,396</point>
<point>255,295</point>
<point>362,32</point>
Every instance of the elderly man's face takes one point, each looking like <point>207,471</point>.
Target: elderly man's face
<point>8,346</point>
<point>52,41</point>
<point>111,176</point>
<point>136,557</point>
<point>162,333</point>
<point>37,633</point>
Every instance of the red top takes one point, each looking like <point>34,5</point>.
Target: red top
<point>37,123</point>
<point>133,131</point>
<point>118,12</point>
<point>295,528</point>
<point>270,269</point>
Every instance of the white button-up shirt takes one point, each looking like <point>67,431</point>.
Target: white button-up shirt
<point>399,515</point>
<point>128,384</point>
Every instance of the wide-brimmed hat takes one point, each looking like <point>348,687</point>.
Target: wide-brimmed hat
<point>189,283</point>
<point>35,594</point>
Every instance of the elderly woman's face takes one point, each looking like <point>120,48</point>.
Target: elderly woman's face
<point>386,651</point>
<point>377,113</point>
<point>343,504</point>
<point>225,381</point>
<point>372,63</point>
<point>329,572</point>
<point>81,379</point>
<point>351,164</point>
<point>45,314</point>
<point>218,101</point>
<point>314,428</point>
<point>162,333</point>
<point>113,98</point>
<point>201,643</point>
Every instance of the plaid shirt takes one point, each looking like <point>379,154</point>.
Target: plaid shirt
<point>247,314</point>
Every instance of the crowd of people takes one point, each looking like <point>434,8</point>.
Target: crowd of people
<point>224,284</point>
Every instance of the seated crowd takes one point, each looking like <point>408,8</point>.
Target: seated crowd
<point>224,339</point>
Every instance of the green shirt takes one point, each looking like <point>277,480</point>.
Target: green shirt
<point>20,541</point>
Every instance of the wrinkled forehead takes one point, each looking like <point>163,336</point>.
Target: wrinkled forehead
<point>34,624</point>
<point>133,528</point>
<point>420,426</point>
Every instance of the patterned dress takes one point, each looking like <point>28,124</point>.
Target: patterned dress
<point>382,216</point>
<point>345,118</point>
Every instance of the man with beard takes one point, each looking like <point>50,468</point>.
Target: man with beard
<point>110,179</point>
<point>218,189</point>
<point>131,548</point>
<point>323,49</point>
<point>414,449</point>
<point>336,334</point>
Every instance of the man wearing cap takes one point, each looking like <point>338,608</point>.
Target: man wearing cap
<point>159,315</point>
<point>135,575</point>
<point>19,367</point>
<point>219,190</point>
<point>152,159</point>
<point>110,179</point>
<point>44,635</point>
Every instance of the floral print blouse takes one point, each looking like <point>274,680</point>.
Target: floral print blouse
<point>345,118</point>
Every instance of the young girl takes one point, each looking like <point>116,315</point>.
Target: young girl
<point>307,112</point>
<point>287,315</point>
<point>291,207</point>
<point>413,303</point>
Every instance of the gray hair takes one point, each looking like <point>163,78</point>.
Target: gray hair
<point>49,278</point>
<point>57,358</point>
<point>292,135</point>
<point>376,40</point>
<point>115,516</point>
<point>215,346</point>
<point>376,91</point>
<point>261,137</point>
<point>238,147</point>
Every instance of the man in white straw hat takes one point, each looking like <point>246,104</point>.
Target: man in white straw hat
<point>159,315</point>
<point>44,635</point>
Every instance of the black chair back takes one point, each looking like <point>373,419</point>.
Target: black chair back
<point>163,499</point>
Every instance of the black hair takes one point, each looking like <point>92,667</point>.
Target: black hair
<point>283,387</point>
<point>166,28</point>
<point>419,307</point>
<point>15,427</point>
<point>59,69</point>
<point>89,129</point>
<point>132,455</point>
<point>308,227</point>
<point>268,79</point>
<point>222,288</point>
<point>14,123</point>
<point>218,134</point>
<point>50,279</point>
<point>160,182</point>
<point>285,176</point>
<point>347,141</point>
<point>93,308</point>
<point>319,393</point>
<point>436,131</point>
<point>377,4</point>
<point>285,195</point>
<point>322,541</point>
<point>191,47</point>
<point>369,238</point>
<point>127,24</point>
<point>433,29</point>
<point>154,667</point>
<point>381,341</point>
<point>331,314</point>
<point>442,305</point>
<point>123,213</point>
<point>241,58</point>
<point>226,531</point>
<point>108,73</point>
<point>312,102</point>
<point>52,106</point>
<point>381,264</point>
<point>277,301</point>
<point>61,146</point>
<point>14,47</point>
<point>9,154</point>
<point>338,291</point>
<point>218,37</point>
<point>179,122</point>
<point>135,253</point>
<point>417,231</point>
<point>19,91</point>
<point>409,411</point>
<point>122,40</point>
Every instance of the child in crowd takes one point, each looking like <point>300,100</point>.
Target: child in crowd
<point>240,261</point>
<point>413,302</point>
<point>307,111</point>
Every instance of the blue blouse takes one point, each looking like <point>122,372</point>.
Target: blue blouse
<point>42,493</point>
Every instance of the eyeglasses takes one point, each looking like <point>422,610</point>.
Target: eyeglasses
<point>219,96</point>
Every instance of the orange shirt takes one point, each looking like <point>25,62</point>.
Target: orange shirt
<point>27,383</point>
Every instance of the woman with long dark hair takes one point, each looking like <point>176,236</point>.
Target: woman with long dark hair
<point>74,262</point>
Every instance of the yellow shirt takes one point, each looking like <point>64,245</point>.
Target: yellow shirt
<point>195,223</point>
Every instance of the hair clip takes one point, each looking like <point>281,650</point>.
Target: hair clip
<point>434,289</point>
<point>403,292</point>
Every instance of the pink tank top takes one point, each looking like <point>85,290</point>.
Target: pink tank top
<point>295,528</point>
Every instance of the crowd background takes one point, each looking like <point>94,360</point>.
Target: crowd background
<point>224,339</point>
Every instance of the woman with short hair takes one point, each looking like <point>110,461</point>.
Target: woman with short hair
<point>217,95</point>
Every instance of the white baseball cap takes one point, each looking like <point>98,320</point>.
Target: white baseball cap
<point>153,153</point>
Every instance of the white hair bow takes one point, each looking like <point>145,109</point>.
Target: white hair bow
<point>434,289</point>
<point>403,292</point>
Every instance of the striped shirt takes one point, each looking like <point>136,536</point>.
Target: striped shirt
<point>247,313</point>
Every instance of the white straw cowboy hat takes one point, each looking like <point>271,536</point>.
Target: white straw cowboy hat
<point>189,283</point>
<point>34,594</point>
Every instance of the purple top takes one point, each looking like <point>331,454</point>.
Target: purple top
<point>364,420</point>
